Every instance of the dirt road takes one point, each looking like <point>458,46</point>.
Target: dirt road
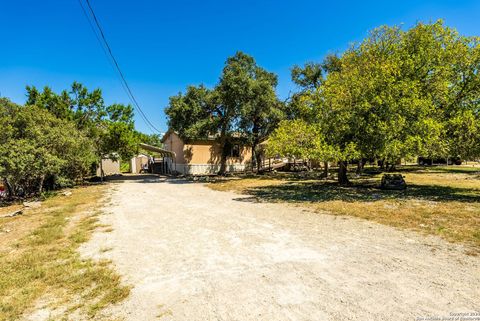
<point>191,253</point>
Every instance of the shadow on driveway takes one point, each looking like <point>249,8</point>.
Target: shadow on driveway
<point>146,178</point>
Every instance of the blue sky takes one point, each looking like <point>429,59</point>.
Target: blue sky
<point>163,46</point>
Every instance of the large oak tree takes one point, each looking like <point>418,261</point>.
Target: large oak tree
<point>242,106</point>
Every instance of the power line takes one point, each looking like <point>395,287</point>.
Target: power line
<point>95,32</point>
<point>108,52</point>
<point>117,67</point>
<point>109,58</point>
<point>125,85</point>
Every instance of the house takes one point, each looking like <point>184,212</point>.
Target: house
<point>202,156</point>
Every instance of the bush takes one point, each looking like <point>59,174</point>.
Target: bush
<point>39,150</point>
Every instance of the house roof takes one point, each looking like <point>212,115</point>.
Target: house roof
<point>168,133</point>
<point>204,138</point>
<point>171,131</point>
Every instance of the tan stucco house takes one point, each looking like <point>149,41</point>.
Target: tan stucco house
<point>202,156</point>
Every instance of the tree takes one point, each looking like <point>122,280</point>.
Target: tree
<point>58,105</point>
<point>190,114</point>
<point>202,112</point>
<point>463,132</point>
<point>232,92</point>
<point>299,139</point>
<point>362,101</point>
<point>293,138</point>
<point>109,128</point>
<point>396,94</point>
<point>407,85</point>
<point>254,91</point>
<point>310,76</point>
<point>36,147</point>
<point>243,105</point>
<point>450,75</point>
<point>150,139</point>
<point>307,104</point>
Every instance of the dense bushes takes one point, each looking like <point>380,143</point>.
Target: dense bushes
<point>55,140</point>
<point>38,149</point>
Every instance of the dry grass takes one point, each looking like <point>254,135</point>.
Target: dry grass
<point>442,201</point>
<point>40,263</point>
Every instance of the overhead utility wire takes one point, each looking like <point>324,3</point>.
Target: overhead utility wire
<point>115,64</point>
<point>117,67</point>
<point>120,73</point>
<point>95,32</point>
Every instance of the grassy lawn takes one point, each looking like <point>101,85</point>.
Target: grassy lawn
<point>40,266</point>
<point>442,201</point>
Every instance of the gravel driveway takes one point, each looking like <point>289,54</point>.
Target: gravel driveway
<point>191,253</point>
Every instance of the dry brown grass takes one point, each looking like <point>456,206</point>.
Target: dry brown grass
<point>443,201</point>
<point>39,261</point>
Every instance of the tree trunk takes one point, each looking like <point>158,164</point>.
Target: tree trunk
<point>223,164</point>
<point>101,169</point>
<point>325,169</point>
<point>223,157</point>
<point>255,154</point>
<point>9,187</point>
<point>258,159</point>
<point>359,167</point>
<point>40,185</point>
<point>382,164</point>
<point>342,173</point>
<point>254,160</point>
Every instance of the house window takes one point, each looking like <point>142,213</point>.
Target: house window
<point>232,150</point>
<point>235,150</point>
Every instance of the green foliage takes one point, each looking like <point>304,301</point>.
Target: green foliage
<point>292,138</point>
<point>117,139</point>
<point>301,140</point>
<point>253,91</point>
<point>405,93</point>
<point>55,139</point>
<point>243,102</point>
<point>397,94</point>
<point>110,129</point>
<point>464,134</point>
<point>190,114</point>
<point>152,139</point>
<point>37,146</point>
<point>308,77</point>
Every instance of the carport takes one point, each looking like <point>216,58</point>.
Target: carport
<point>162,161</point>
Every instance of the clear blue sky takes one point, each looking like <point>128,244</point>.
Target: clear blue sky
<point>163,46</point>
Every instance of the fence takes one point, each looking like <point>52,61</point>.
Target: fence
<point>207,169</point>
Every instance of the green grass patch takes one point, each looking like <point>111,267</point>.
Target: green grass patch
<point>45,263</point>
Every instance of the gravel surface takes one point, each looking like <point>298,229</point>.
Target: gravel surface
<point>192,253</point>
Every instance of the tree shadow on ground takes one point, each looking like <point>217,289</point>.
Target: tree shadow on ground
<point>295,192</point>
